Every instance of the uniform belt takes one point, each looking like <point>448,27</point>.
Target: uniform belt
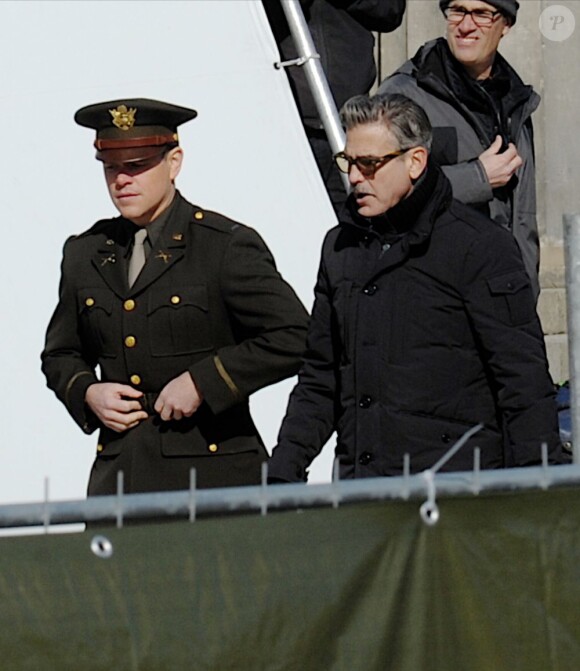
<point>147,402</point>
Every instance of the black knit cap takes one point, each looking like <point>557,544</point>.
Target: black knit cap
<point>508,7</point>
<point>134,122</point>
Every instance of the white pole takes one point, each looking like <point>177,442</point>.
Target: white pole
<point>572,256</point>
<point>310,61</point>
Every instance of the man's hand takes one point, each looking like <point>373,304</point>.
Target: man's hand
<point>500,168</point>
<point>179,398</point>
<point>116,405</point>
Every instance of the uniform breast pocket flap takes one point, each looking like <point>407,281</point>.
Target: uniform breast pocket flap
<point>178,320</point>
<point>92,300</point>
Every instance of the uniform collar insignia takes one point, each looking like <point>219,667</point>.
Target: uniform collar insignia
<point>164,256</point>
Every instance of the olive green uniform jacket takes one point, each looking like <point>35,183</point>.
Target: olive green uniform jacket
<point>209,301</point>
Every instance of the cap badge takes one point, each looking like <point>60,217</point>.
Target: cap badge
<point>123,118</point>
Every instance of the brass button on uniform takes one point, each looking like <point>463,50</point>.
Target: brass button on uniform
<point>135,379</point>
<point>212,448</point>
<point>89,302</point>
<point>198,215</point>
<point>175,300</point>
<point>130,341</point>
<point>100,447</point>
<point>129,305</point>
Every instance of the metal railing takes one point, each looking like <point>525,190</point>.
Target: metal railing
<point>263,499</point>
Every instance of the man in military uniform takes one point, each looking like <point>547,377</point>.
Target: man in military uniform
<point>182,310</point>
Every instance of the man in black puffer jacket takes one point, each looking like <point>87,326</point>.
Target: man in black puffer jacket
<point>423,325</point>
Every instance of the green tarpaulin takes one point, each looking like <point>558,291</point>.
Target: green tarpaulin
<point>494,585</point>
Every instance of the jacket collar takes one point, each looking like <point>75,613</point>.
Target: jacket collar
<point>504,85</point>
<point>408,225</point>
<point>111,256</point>
<point>412,217</point>
<point>169,247</point>
<point>427,68</point>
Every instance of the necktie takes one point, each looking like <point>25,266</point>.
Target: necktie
<point>137,260</point>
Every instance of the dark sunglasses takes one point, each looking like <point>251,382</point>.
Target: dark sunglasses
<point>367,165</point>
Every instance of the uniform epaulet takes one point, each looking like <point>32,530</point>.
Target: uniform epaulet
<point>214,220</point>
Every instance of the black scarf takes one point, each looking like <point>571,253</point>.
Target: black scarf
<point>400,219</point>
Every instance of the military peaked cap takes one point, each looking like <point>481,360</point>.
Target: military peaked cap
<point>134,122</point>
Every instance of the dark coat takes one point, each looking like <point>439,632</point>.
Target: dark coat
<point>412,344</point>
<point>459,137</point>
<point>209,301</point>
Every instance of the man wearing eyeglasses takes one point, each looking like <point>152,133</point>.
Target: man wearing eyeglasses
<point>181,311</point>
<point>481,112</point>
<point>423,325</point>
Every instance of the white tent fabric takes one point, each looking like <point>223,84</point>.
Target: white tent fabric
<point>245,155</point>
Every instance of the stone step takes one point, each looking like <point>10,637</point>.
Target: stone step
<point>552,310</point>
<point>557,351</point>
<point>552,268</point>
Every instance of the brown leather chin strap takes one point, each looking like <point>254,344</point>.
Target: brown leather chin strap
<point>147,141</point>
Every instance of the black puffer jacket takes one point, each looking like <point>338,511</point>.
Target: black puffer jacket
<point>413,342</point>
<point>341,32</point>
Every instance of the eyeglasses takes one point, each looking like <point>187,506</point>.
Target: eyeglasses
<point>483,18</point>
<point>367,165</point>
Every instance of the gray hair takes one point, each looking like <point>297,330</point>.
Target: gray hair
<point>403,117</point>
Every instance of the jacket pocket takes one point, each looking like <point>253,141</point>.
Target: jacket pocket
<point>178,320</point>
<point>427,438</point>
<point>95,308</point>
<point>177,444</point>
<point>206,434</point>
<point>512,297</point>
<point>190,437</point>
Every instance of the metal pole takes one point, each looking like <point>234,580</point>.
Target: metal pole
<point>572,256</point>
<point>310,61</point>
